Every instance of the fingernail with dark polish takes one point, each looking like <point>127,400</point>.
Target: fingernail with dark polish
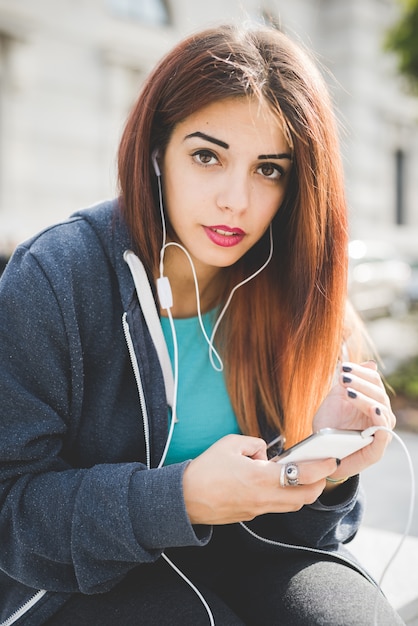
<point>347,379</point>
<point>347,368</point>
<point>351,393</point>
<point>378,411</point>
<point>338,461</point>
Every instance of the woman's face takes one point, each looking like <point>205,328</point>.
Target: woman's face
<point>225,171</point>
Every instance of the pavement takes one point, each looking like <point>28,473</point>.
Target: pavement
<point>380,544</point>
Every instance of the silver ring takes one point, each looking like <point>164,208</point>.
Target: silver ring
<point>289,475</point>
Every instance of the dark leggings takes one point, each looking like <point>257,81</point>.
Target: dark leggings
<point>283,588</point>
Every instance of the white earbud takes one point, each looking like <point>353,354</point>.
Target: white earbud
<point>154,158</point>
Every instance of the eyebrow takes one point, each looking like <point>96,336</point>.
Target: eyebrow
<point>223,144</point>
<point>218,142</point>
<point>280,155</point>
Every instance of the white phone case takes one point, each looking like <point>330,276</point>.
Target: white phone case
<point>325,444</point>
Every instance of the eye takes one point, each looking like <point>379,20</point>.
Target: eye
<point>272,171</point>
<point>205,157</point>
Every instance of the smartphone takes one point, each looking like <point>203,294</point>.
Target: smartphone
<point>325,444</point>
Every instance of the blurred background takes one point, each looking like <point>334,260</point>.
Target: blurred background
<point>71,69</point>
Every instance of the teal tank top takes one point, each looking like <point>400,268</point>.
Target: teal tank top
<point>204,410</point>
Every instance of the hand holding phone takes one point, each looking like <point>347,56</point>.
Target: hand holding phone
<point>324,444</point>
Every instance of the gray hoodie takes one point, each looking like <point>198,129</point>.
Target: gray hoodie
<point>83,423</point>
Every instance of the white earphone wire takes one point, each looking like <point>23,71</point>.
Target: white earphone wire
<point>210,340</point>
<point>246,280</point>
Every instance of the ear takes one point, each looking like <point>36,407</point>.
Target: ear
<point>154,159</point>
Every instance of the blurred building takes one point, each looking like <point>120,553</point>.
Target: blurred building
<point>70,70</point>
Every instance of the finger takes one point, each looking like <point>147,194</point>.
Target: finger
<point>252,447</point>
<point>371,400</point>
<point>383,416</point>
<point>366,381</point>
<point>355,386</point>
<point>365,371</point>
<point>370,364</point>
<point>366,405</point>
<point>308,472</point>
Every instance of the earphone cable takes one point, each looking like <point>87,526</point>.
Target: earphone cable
<point>165,245</point>
<point>160,201</point>
<point>246,280</point>
<point>409,517</point>
<point>174,419</point>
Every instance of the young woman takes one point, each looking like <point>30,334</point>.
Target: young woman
<point>153,346</point>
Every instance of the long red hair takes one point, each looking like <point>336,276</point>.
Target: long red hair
<point>282,334</point>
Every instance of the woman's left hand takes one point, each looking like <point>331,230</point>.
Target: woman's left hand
<point>358,400</point>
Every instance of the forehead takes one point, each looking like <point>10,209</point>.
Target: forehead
<point>235,121</point>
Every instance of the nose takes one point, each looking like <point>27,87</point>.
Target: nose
<point>234,194</point>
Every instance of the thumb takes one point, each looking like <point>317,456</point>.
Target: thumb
<point>371,364</point>
<point>254,447</point>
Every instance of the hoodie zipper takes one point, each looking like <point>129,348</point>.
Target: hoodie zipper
<point>23,609</point>
<point>40,594</point>
<point>140,388</point>
<point>335,555</point>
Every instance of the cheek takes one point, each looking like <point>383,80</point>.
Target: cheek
<point>180,206</point>
<point>180,189</point>
<point>172,195</point>
<point>269,205</point>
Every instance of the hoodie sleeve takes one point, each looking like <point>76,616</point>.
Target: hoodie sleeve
<point>66,524</point>
<point>323,525</point>
<point>327,523</point>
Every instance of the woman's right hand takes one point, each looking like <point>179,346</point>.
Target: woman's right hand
<point>233,481</point>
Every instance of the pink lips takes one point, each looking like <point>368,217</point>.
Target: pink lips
<point>224,236</point>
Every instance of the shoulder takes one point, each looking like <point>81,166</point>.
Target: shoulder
<point>75,256</point>
<point>81,242</point>
<point>74,259</point>
<point>86,228</point>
